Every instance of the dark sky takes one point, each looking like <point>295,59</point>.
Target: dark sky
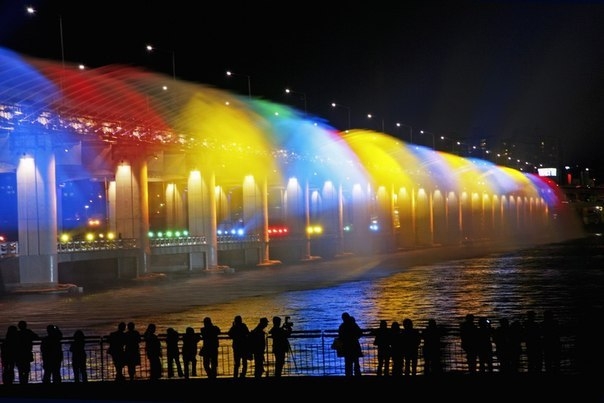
<point>525,70</point>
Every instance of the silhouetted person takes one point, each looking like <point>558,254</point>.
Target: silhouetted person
<point>485,345</point>
<point>24,352</point>
<point>153,352</point>
<point>239,333</point>
<point>51,350</point>
<point>432,336</point>
<point>280,335</point>
<point>533,342</point>
<point>502,338</point>
<point>469,341</point>
<point>190,340</point>
<point>349,334</point>
<point>78,356</point>
<point>411,339</point>
<point>382,339</point>
<point>173,352</point>
<point>551,342</point>
<point>516,338</point>
<point>8,353</point>
<point>397,354</point>
<point>257,345</point>
<point>116,350</point>
<point>132,351</point>
<point>209,351</point>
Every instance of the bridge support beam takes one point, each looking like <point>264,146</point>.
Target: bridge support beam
<point>37,206</point>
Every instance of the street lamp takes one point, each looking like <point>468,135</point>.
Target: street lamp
<point>32,11</point>
<point>334,105</point>
<point>288,91</point>
<point>370,116</point>
<point>151,48</point>
<point>433,141</point>
<point>410,130</point>
<point>249,81</point>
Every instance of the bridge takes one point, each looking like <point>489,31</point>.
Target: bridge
<point>121,172</point>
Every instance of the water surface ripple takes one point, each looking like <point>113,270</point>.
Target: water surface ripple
<point>566,277</point>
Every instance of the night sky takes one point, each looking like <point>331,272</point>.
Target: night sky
<point>529,71</point>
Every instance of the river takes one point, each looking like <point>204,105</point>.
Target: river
<point>443,283</point>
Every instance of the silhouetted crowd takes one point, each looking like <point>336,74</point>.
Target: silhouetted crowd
<point>125,350</point>
<point>398,347</point>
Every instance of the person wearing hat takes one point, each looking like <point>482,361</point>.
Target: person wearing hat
<point>257,339</point>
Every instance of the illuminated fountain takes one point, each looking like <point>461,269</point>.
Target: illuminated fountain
<point>173,154</point>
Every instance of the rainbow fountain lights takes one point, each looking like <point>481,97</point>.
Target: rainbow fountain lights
<point>125,107</point>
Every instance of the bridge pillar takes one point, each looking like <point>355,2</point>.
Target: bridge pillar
<point>37,212</point>
<point>201,219</point>
<point>131,206</point>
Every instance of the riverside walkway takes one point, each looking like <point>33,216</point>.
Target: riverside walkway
<point>449,387</point>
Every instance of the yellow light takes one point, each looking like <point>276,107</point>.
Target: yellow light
<point>90,236</point>
<point>64,238</point>
<point>110,235</point>
<point>314,230</point>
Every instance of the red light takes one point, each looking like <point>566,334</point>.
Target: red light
<point>278,231</point>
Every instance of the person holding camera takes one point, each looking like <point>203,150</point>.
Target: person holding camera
<point>280,335</point>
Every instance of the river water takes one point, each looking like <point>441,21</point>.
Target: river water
<point>443,283</point>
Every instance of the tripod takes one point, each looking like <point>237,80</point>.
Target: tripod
<point>291,354</point>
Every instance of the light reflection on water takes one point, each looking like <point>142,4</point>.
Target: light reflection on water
<point>565,277</point>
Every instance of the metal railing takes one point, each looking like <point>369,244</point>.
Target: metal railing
<point>310,355</point>
<point>96,245</point>
<point>9,249</point>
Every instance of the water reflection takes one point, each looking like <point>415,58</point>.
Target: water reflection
<point>566,277</point>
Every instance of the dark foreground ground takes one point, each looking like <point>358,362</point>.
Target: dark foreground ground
<point>451,387</point>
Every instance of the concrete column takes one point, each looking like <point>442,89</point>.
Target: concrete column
<point>264,217</point>
<point>37,214</point>
<point>198,213</point>
<point>211,225</point>
<point>174,206</point>
<point>132,206</point>
<point>253,214</point>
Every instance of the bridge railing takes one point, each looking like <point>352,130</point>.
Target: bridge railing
<point>310,355</point>
<point>98,244</point>
<point>9,249</point>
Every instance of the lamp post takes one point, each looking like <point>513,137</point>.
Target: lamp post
<point>288,91</point>
<point>410,130</point>
<point>370,116</point>
<point>151,48</point>
<point>335,105</point>
<point>32,11</point>
<point>249,81</point>
<point>433,140</point>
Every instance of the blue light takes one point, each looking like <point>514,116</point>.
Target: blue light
<point>374,226</point>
